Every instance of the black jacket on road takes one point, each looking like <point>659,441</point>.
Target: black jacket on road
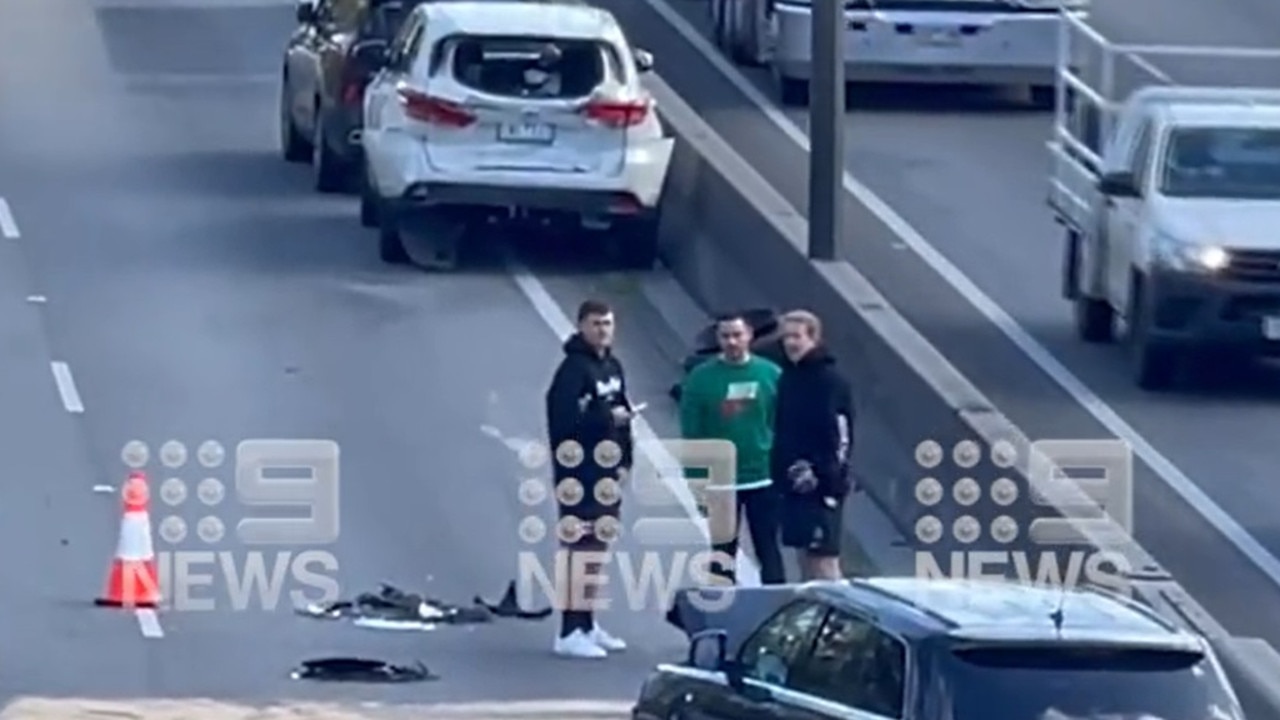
<point>586,387</point>
<point>813,397</point>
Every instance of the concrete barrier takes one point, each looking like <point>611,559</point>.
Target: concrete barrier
<point>733,241</point>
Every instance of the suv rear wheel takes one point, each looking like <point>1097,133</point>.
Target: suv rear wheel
<point>636,243</point>
<point>293,145</point>
<point>330,172</point>
<point>368,201</point>
<point>391,248</point>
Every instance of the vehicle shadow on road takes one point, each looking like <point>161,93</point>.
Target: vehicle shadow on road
<point>936,99</point>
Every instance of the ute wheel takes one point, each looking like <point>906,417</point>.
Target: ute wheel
<point>1094,320</point>
<point>1043,97</point>
<point>1153,365</point>
<point>329,171</point>
<point>293,146</point>
<point>637,244</point>
<point>391,248</point>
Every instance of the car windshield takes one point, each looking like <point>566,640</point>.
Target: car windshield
<point>1220,162</point>
<point>549,68</point>
<point>1057,683</point>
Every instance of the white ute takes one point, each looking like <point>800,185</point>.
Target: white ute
<point>965,42</point>
<point>1171,203</point>
<point>514,109</point>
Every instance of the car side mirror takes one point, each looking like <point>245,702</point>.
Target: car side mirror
<point>707,650</point>
<point>644,60</point>
<point>372,54</point>
<point>1118,184</point>
<point>305,12</point>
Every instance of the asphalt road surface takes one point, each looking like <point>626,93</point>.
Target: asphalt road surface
<point>181,282</point>
<point>968,171</point>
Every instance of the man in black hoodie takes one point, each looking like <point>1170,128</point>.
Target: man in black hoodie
<point>589,422</point>
<point>813,435</point>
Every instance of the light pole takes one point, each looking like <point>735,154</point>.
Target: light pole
<point>826,127</point>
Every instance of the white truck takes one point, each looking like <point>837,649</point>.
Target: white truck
<point>963,42</point>
<point>1170,197</point>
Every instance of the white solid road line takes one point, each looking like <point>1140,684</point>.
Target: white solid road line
<point>66,387</point>
<point>149,623</point>
<point>1163,467</point>
<point>8,226</point>
<point>669,471</point>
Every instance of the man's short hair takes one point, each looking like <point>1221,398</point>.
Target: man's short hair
<point>732,316</point>
<point>589,308</point>
<point>810,322</point>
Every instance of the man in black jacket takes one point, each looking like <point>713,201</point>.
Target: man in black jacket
<point>813,435</point>
<point>589,422</point>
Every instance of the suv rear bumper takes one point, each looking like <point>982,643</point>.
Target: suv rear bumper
<point>597,203</point>
<point>1209,311</point>
<point>404,171</point>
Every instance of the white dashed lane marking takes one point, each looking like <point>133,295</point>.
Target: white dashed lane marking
<point>66,387</point>
<point>149,623</point>
<point>8,226</point>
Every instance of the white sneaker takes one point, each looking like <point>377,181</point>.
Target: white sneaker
<point>605,641</point>
<point>578,644</point>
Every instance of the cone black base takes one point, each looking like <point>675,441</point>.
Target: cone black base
<point>120,604</point>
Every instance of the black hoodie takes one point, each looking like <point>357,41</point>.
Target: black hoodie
<point>585,389</point>
<point>812,398</point>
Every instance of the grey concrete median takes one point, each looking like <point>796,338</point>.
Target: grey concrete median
<point>733,241</point>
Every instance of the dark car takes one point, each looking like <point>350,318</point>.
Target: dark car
<point>336,49</point>
<point>766,342</point>
<point>917,649</point>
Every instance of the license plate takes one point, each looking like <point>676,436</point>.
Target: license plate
<point>1271,328</point>
<point>527,132</point>
<point>939,37</point>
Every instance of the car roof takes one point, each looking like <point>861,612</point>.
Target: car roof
<point>1235,115</point>
<point>535,18</point>
<point>997,610</point>
<point>1210,106</point>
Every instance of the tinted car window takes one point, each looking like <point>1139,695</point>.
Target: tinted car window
<point>1241,163</point>
<point>1086,683</point>
<point>781,642</point>
<point>529,67</point>
<point>854,663</point>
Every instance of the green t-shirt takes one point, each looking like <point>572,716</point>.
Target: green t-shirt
<point>721,400</point>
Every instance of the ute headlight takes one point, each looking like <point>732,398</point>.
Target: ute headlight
<point>1189,257</point>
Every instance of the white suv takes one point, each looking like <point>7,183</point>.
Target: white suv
<point>513,109</point>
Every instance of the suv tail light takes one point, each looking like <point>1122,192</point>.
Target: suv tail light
<point>617,114</point>
<point>433,110</point>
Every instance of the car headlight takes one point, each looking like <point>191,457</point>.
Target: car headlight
<point>1189,257</point>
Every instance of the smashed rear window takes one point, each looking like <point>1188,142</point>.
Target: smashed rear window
<point>550,68</point>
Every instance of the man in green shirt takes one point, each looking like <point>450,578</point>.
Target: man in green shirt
<point>732,397</point>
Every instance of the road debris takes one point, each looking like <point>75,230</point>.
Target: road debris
<point>509,606</point>
<point>350,669</point>
<point>394,609</point>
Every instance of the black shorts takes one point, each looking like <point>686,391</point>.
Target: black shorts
<point>590,512</point>
<point>813,524</point>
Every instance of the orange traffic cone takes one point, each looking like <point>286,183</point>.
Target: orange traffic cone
<point>133,582</point>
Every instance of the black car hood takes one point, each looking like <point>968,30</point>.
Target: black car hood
<point>694,610</point>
